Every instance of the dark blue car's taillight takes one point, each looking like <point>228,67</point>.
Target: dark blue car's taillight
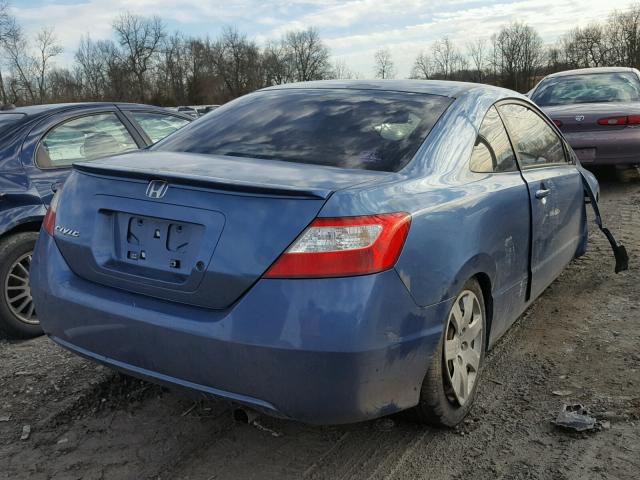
<point>49,223</point>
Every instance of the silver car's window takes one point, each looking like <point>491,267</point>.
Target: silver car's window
<point>157,125</point>
<point>84,138</point>
<point>534,140</point>
<point>492,151</point>
<point>588,88</point>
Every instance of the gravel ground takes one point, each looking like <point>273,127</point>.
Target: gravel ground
<point>577,344</point>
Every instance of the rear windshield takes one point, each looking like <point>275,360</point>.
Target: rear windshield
<point>365,129</point>
<point>9,119</point>
<point>588,88</point>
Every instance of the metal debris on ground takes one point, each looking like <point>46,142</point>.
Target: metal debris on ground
<point>575,417</point>
<point>265,429</point>
<point>26,431</point>
<point>562,393</point>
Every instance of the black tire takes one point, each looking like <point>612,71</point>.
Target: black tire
<point>436,406</point>
<point>13,248</point>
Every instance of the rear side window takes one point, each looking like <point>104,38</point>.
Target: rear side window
<point>588,88</point>
<point>534,140</point>
<point>84,138</point>
<point>348,128</point>
<point>492,151</point>
<point>156,125</point>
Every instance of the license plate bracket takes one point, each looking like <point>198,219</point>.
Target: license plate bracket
<point>156,244</point>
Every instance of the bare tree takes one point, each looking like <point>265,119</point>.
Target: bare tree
<point>93,60</point>
<point>307,55</point>
<point>140,38</point>
<point>422,67</point>
<point>341,71</point>
<point>47,50</point>
<point>623,37</point>
<point>5,22</point>
<point>519,54</point>
<point>477,51</point>
<point>447,60</point>
<point>275,64</point>
<point>238,63</point>
<point>384,67</point>
<point>16,49</point>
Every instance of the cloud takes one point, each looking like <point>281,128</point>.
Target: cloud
<point>353,29</point>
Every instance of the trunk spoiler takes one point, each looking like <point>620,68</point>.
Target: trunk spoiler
<point>224,184</point>
<point>619,251</point>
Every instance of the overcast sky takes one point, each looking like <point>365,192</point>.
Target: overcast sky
<point>353,29</point>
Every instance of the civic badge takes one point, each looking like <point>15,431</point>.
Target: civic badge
<point>579,118</point>
<point>157,189</point>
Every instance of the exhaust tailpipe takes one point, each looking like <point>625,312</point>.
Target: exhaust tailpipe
<point>245,415</point>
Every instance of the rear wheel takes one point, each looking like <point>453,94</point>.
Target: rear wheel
<point>18,318</point>
<point>450,385</point>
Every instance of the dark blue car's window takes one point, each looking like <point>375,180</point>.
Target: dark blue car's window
<point>492,151</point>
<point>373,130</point>
<point>588,88</point>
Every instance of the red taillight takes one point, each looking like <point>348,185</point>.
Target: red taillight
<point>558,123</point>
<point>49,223</point>
<point>626,120</point>
<point>346,246</point>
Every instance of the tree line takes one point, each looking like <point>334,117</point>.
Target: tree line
<point>144,62</point>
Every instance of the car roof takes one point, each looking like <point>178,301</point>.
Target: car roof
<point>588,71</point>
<point>434,87</point>
<point>33,110</point>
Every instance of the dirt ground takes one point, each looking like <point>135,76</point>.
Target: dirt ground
<point>580,340</point>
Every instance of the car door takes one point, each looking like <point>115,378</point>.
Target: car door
<point>507,238</point>
<point>67,137</point>
<point>555,192</point>
<point>155,125</point>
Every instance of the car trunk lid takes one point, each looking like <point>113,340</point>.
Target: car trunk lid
<point>189,228</point>
<point>584,117</point>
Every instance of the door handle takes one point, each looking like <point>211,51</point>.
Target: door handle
<point>543,192</point>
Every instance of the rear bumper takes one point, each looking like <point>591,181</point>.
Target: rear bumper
<point>614,147</point>
<point>321,351</point>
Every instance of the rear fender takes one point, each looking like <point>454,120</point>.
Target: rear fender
<point>18,212</point>
<point>478,264</point>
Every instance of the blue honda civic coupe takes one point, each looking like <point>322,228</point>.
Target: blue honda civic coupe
<point>327,252</point>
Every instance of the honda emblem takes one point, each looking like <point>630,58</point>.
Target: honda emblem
<point>157,189</point>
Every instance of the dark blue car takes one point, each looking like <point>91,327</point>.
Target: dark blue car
<point>328,252</point>
<point>37,147</point>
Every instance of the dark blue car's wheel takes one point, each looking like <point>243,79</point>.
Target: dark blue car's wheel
<point>450,385</point>
<point>18,318</point>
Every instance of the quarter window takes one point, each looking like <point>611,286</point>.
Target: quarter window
<point>534,140</point>
<point>157,126</point>
<point>84,138</point>
<point>492,151</point>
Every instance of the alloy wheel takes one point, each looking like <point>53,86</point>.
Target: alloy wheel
<point>463,346</point>
<point>18,292</point>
